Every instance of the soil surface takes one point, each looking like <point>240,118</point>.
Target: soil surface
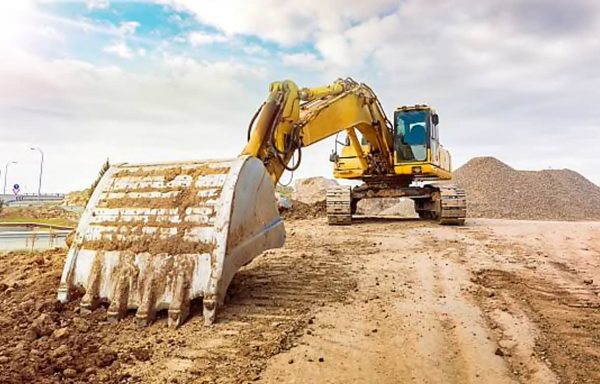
<point>381,301</point>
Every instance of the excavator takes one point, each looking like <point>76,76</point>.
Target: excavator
<point>154,237</point>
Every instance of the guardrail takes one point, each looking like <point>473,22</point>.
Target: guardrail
<point>28,236</point>
<point>29,198</point>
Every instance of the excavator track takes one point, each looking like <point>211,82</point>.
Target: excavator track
<point>453,205</point>
<point>339,205</point>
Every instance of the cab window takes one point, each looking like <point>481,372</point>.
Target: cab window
<point>411,135</point>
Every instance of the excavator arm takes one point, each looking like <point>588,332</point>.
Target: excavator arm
<point>292,118</point>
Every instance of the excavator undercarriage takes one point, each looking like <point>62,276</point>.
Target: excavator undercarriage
<point>444,203</point>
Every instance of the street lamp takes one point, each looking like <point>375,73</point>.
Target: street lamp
<point>5,174</point>
<point>41,170</point>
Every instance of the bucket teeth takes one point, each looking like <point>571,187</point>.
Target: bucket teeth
<point>118,307</point>
<point>209,311</point>
<point>146,311</point>
<point>179,309</point>
<point>91,299</point>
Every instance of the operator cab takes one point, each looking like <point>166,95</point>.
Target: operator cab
<point>415,133</point>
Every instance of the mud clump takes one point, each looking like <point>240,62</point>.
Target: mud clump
<point>42,340</point>
<point>495,190</point>
<point>301,211</point>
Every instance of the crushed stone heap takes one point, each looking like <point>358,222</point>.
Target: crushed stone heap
<point>495,190</point>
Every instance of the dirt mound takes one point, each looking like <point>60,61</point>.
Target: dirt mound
<point>495,190</point>
<point>47,213</point>
<point>77,198</point>
<point>312,190</point>
<point>43,341</point>
<point>387,207</point>
<point>300,210</point>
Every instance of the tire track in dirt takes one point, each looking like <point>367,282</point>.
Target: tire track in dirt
<point>426,329</point>
<point>545,312</point>
<point>568,330</point>
<point>270,303</point>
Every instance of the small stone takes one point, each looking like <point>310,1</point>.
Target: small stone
<point>4,359</point>
<point>60,333</point>
<point>142,354</point>
<point>291,361</point>
<point>105,358</point>
<point>70,373</point>
<point>27,305</point>
<point>499,352</point>
<point>60,351</point>
<point>374,330</point>
<point>588,281</point>
<point>321,359</point>
<point>507,343</point>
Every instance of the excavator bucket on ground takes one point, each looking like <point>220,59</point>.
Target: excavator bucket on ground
<point>156,236</point>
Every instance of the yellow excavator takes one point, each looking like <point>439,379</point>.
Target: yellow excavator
<point>156,236</point>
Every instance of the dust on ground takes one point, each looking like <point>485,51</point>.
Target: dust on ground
<point>383,301</point>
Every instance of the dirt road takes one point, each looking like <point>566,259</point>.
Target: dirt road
<point>382,301</point>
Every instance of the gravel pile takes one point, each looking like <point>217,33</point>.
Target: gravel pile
<point>496,190</point>
<point>312,189</point>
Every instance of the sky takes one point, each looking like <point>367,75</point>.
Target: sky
<point>144,81</point>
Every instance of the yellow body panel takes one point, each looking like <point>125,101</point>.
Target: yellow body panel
<point>349,167</point>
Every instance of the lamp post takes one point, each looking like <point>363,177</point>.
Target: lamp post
<point>41,170</point>
<point>5,174</point>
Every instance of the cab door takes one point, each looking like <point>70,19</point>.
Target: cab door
<point>434,139</point>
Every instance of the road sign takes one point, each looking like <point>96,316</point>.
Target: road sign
<point>16,189</point>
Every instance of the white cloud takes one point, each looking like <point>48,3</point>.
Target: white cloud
<point>120,49</point>
<point>51,33</point>
<point>255,50</point>
<point>128,27</point>
<point>97,4</point>
<point>284,21</point>
<point>201,38</point>
<point>179,109</point>
<point>304,61</point>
